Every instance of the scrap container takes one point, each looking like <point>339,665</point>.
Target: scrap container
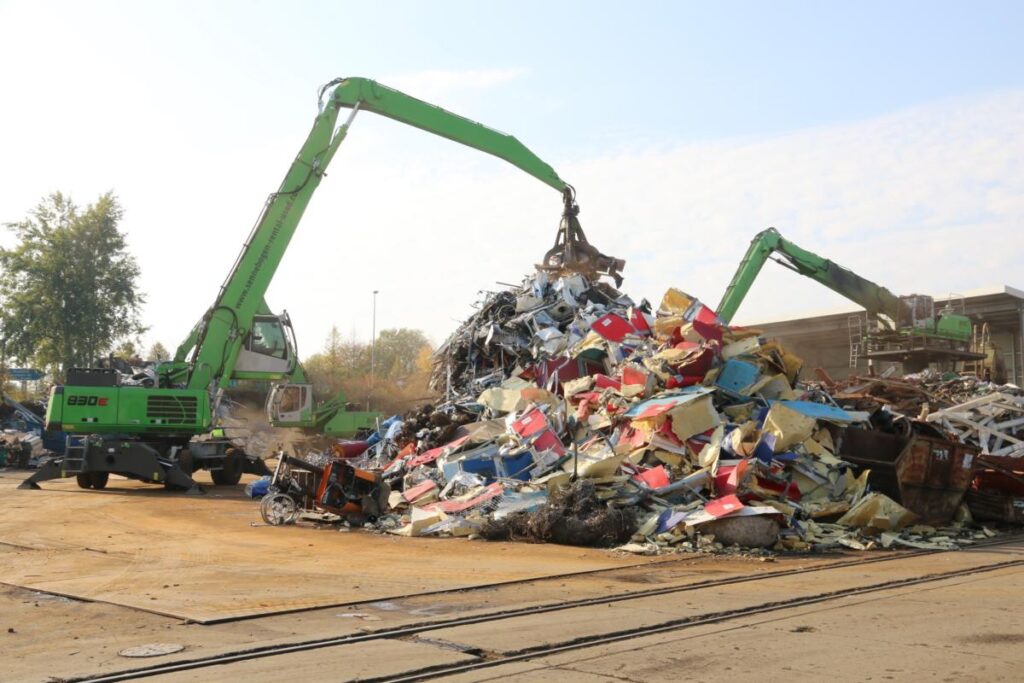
<point>927,475</point>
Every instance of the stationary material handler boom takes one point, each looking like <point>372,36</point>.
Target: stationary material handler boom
<point>908,329</point>
<point>147,433</point>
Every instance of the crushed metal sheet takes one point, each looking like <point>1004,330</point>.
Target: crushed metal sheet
<point>572,414</point>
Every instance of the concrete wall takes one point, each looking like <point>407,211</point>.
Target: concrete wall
<point>824,341</point>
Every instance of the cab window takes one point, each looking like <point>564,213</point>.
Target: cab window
<point>292,399</point>
<point>267,338</point>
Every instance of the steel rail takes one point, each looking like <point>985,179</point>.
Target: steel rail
<point>679,624</point>
<point>416,628</point>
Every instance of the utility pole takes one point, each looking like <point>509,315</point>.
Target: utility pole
<point>373,351</point>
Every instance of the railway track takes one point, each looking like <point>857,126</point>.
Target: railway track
<point>679,624</point>
<point>487,661</point>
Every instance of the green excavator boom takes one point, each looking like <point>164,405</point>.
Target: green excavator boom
<point>219,337</point>
<point>909,329</point>
<point>874,298</point>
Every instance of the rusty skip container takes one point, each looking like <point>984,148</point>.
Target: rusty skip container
<point>927,475</point>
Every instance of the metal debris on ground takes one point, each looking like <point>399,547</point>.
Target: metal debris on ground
<point>572,515</point>
<point>975,411</point>
<point>572,414</point>
<point>993,421</point>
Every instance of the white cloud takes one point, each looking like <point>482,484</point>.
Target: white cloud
<point>929,199</point>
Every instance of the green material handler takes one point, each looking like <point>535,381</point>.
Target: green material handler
<point>147,433</point>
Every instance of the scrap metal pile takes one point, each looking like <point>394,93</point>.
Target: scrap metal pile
<point>987,418</point>
<point>21,433</point>
<point>979,412</point>
<point>19,449</point>
<point>574,415</point>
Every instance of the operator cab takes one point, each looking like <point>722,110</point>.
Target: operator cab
<point>918,312</point>
<point>269,349</point>
<point>290,404</point>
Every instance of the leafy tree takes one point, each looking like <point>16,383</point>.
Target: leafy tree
<point>401,368</point>
<point>326,370</point>
<point>68,289</point>
<point>340,361</point>
<point>128,352</point>
<point>158,352</point>
<point>396,353</point>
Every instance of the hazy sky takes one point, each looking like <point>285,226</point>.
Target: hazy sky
<point>887,136</point>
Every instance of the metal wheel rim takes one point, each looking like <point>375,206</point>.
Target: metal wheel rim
<point>278,508</point>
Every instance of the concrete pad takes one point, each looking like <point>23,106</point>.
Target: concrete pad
<point>200,558</point>
<point>880,637</point>
<point>533,631</point>
<point>65,638</point>
<point>375,659</point>
<point>517,634</point>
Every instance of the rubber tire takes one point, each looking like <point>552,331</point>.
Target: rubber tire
<point>84,480</point>
<point>186,462</point>
<point>99,480</point>
<point>231,472</point>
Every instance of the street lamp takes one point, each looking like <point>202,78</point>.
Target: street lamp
<point>373,350</point>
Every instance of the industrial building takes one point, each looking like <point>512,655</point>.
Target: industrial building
<point>824,341</point>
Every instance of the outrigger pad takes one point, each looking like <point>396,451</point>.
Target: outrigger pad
<point>128,459</point>
<point>50,470</point>
<point>177,479</point>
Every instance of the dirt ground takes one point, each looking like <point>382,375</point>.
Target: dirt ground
<point>86,574</point>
